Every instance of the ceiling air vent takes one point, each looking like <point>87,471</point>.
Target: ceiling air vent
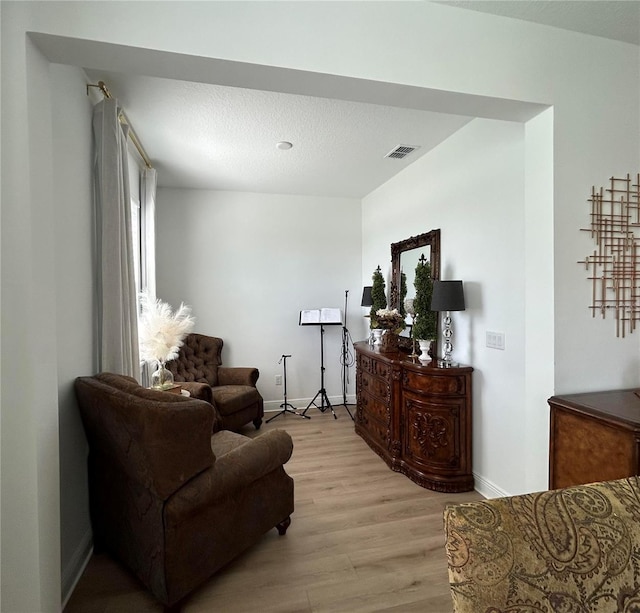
<point>401,151</point>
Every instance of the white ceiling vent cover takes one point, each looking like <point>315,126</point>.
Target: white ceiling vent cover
<point>401,151</point>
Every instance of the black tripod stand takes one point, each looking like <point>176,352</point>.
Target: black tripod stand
<point>324,399</point>
<point>346,357</point>
<point>285,405</point>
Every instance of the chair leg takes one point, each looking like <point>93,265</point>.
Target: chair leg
<point>283,525</point>
<point>257,423</point>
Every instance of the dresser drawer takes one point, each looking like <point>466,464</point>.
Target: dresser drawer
<point>434,384</point>
<point>375,367</point>
<point>380,388</point>
<point>377,432</point>
<point>375,408</point>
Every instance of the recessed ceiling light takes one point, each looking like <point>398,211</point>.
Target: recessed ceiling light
<point>284,145</point>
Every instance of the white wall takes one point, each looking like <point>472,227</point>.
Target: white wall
<point>591,84</point>
<point>539,296</point>
<point>248,264</point>
<point>46,324</point>
<point>75,309</point>
<point>30,556</point>
<point>472,188</point>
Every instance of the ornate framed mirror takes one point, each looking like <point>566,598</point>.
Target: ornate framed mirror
<point>404,258</point>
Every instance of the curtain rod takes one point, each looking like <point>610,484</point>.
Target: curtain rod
<point>101,85</point>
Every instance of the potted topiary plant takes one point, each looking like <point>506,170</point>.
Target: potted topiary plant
<point>425,327</point>
<point>379,301</point>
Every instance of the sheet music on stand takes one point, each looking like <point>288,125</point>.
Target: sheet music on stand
<point>325,316</point>
<point>321,317</point>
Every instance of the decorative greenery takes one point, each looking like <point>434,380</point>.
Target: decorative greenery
<point>403,293</point>
<point>390,319</point>
<point>378,297</point>
<point>425,326</point>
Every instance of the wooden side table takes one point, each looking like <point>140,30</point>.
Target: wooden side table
<point>176,388</point>
<point>594,436</point>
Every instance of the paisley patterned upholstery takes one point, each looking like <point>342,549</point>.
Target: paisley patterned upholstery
<point>573,550</point>
<point>232,390</point>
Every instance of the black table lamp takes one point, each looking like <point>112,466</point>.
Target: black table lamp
<point>447,296</point>
<point>367,300</point>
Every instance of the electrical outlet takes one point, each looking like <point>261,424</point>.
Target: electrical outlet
<point>278,379</point>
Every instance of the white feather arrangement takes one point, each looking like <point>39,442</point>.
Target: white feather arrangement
<point>160,331</point>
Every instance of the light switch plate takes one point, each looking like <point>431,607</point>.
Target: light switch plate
<point>495,340</point>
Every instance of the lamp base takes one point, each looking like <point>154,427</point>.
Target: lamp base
<point>447,364</point>
<point>447,333</point>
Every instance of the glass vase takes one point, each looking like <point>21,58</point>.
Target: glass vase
<point>162,378</point>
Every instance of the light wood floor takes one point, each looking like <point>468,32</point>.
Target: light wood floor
<point>362,538</point>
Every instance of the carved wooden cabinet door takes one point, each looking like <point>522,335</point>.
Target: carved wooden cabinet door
<point>437,420</point>
<point>432,433</point>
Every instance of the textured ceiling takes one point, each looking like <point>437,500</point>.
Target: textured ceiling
<point>207,136</point>
<point>614,19</point>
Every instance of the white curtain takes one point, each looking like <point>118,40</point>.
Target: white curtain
<point>148,230</point>
<point>148,180</point>
<point>117,325</point>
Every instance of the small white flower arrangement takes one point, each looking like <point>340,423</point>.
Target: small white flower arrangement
<point>160,331</point>
<point>390,319</point>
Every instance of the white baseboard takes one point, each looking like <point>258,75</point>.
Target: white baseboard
<point>273,406</point>
<point>72,573</point>
<point>487,488</point>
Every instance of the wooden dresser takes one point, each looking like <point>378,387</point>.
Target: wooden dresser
<point>594,436</point>
<point>416,418</point>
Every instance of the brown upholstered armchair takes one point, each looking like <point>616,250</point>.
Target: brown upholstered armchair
<point>168,499</point>
<point>232,390</point>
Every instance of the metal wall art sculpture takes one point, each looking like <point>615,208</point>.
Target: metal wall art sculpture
<point>614,265</point>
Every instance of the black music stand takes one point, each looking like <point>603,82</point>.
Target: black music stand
<point>321,317</point>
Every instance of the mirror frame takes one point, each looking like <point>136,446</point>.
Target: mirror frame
<point>431,239</point>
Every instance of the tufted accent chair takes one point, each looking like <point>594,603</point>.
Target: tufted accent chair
<point>232,390</point>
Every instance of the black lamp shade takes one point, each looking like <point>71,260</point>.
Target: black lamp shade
<point>447,296</point>
<point>367,301</point>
